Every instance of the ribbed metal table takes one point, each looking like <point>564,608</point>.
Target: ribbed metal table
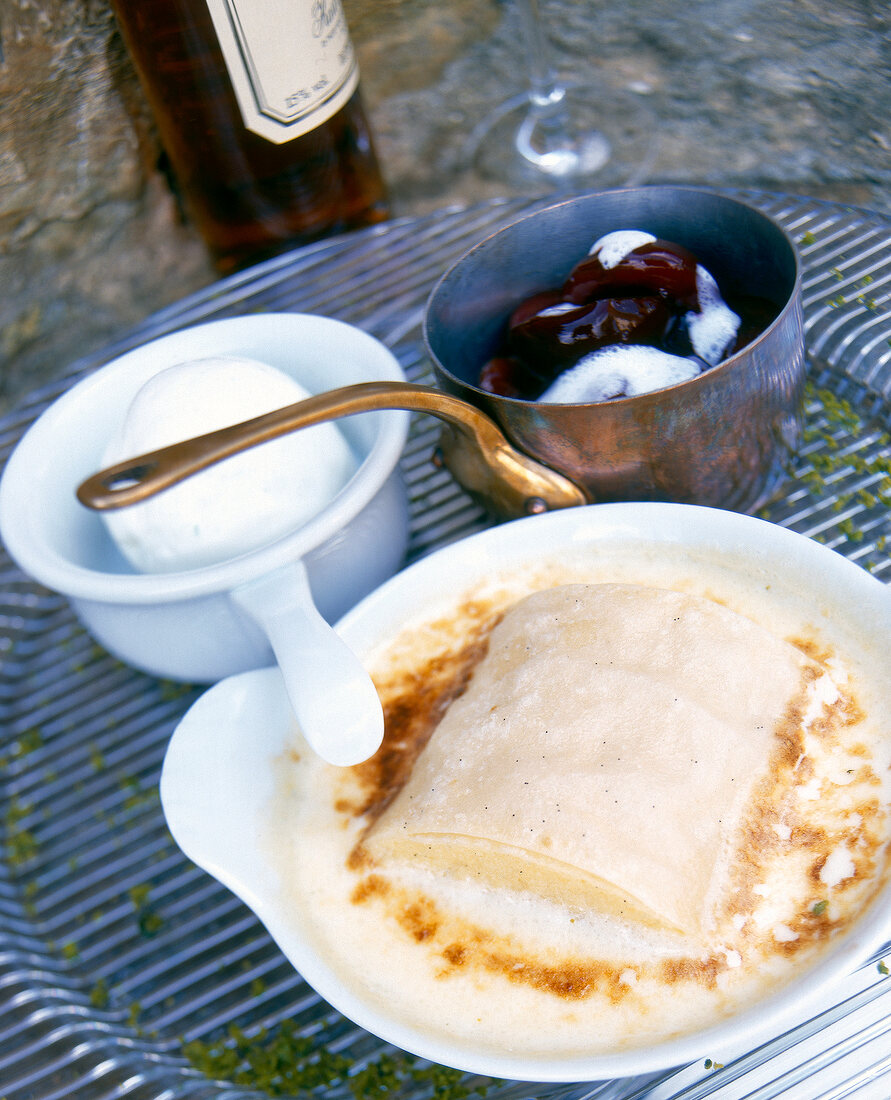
<point>114,949</point>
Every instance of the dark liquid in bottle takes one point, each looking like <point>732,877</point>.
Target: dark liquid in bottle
<point>249,198</point>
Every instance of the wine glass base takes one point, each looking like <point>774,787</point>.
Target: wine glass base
<point>580,136</point>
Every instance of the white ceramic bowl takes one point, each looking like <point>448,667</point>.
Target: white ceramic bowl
<point>186,625</point>
<point>222,768</point>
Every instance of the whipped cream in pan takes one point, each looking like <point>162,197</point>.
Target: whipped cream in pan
<point>636,315</point>
<point>630,369</point>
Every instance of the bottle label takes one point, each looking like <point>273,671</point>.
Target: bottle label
<point>291,62</point>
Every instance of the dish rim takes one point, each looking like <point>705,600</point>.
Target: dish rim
<point>361,628</point>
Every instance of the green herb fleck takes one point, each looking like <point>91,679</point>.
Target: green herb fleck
<point>150,923</point>
<point>22,845</point>
<point>99,994</point>
<point>381,1077</point>
<point>447,1083</point>
<point>850,530</point>
<point>279,1063</point>
<point>139,895</point>
<point>29,741</point>
<point>283,1063</point>
<point>138,795</point>
<point>18,811</point>
<point>882,968</point>
<point>819,907</point>
<point>832,448</point>
<point>171,690</point>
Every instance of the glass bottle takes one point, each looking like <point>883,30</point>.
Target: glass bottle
<point>258,110</point>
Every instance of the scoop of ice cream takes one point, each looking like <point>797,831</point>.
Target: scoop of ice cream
<point>241,503</point>
<point>623,370</point>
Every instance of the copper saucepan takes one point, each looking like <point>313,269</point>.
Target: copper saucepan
<point>719,439</point>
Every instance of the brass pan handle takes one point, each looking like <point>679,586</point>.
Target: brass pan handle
<point>507,482</point>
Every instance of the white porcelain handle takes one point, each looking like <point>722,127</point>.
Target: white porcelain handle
<point>332,696</point>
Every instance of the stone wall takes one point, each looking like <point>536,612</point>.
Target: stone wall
<point>787,95</point>
<point>90,239</point>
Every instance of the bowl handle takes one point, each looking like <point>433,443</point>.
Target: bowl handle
<point>333,697</point>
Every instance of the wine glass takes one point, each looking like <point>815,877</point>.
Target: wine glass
<point>547,137</point>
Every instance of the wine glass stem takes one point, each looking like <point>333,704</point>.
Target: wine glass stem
<point>544,89</point>
<point>544,138</point>
<point>553,140</point>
